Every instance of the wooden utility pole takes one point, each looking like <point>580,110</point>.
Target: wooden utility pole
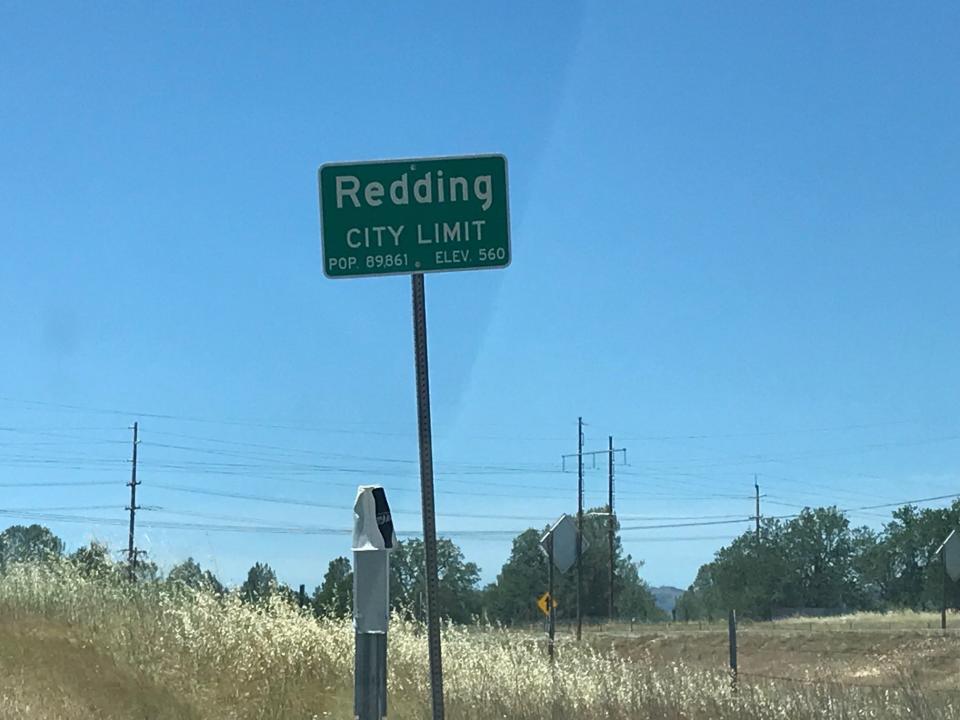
<point>131,548</point>
<point>610,527</point>
<point>579,528</point>
<point>579,542</point>
<point>756,489</point>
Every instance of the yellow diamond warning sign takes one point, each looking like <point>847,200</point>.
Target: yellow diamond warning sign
<point>543,601</point>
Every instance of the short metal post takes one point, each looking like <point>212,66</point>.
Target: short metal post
<point>733,647</point>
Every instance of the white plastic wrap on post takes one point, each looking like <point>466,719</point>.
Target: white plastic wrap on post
<point>373,537</point>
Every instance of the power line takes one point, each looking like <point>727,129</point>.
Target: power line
<point>57,433</point>
<point>56,484</point>
<point>165,416</point>
<point>327,506</point>
<point>291,426</point>
<point>453,467</point>
<point>240,423</point>
<point>264,527</point>
<point>50,514</point>
<point>676,517</point>
<point>906,502</point>
<point>246,470</point>
<point>66,508</point>
<point>21,459</point>
<point>274,464</point>
<point>773,433</point>
<point>334,483</point>
<point>805,484</point>
<point>206,527</point>
<point>745,518</point>
<point>739,460</point>
<point>459,467</point>
<point>464,465</point>
<point>467,469</point>
<point>794,515</point>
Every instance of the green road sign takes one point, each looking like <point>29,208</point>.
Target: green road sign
<point>422,215</point>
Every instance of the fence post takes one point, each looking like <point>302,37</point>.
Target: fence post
<point>733,648</point>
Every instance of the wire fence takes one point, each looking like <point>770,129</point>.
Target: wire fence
<point>828,655</point>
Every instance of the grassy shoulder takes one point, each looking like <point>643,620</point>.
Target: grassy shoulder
<point>51,670</point>
<point>75,646</point>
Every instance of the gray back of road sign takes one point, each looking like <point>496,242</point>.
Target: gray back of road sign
<point>564,537</point>
<point>951,558</point>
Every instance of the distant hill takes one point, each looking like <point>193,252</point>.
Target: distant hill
<point>666,596</point>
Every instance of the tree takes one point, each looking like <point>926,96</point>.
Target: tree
<point>867,569</point>
<point>335,596</point>
<point>521,580</point>
<point>190,574</point>
<point>818,551</point>
<point>702,599</point>
<point>28,544</point>
<point>632,596</point>
<point>93,560</point>
<point>905,560</point>
<point>260,584</point>
<point>524,578</point>
<point>815,560</point>
<point>635,599</point>
<point>459,598</point>
<point>144,570</point>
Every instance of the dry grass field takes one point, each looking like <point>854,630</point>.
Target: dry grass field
<point>856,651</point>
<point>75,647</point>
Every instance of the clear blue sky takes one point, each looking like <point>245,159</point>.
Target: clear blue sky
<point>735,238</point>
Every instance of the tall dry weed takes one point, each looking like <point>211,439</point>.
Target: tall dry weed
<point>234,660</point>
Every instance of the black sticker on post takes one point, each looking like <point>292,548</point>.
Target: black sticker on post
<point>384,521</point>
